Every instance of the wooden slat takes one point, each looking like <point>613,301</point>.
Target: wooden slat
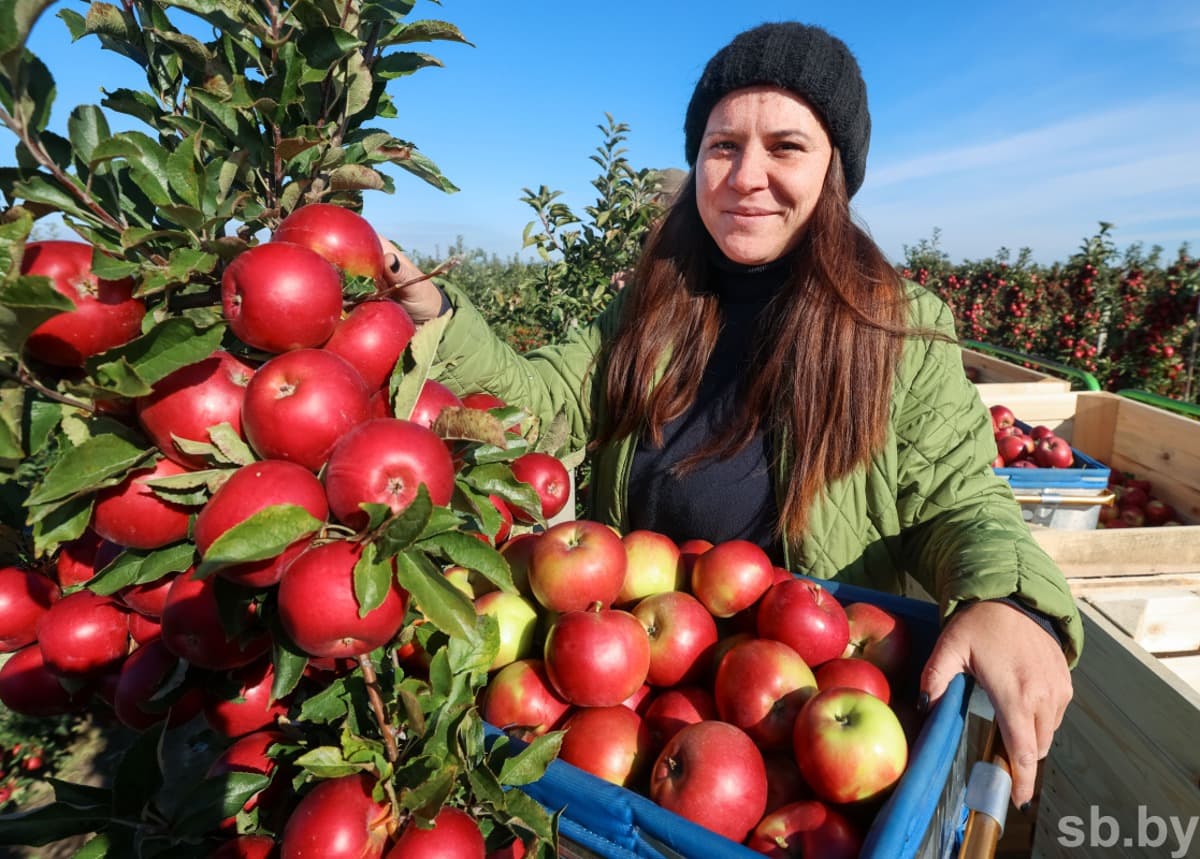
<point>997,372</point>
<point>1125,551</point>
<point>1162,620</point>
<point>1128,740</point>
<point>1186,668</point>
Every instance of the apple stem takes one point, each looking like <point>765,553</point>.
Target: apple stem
<point>385,727</point>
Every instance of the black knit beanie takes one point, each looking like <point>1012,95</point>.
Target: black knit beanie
<point>809,61</point>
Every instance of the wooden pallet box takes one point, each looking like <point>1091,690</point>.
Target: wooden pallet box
<point>1003,378</point>
<point>1123,775</point>
<point>1125,435</point>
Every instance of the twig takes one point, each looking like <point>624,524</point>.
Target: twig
<point>23,376</point>
<point>376,699</point>
<point>448,265</point>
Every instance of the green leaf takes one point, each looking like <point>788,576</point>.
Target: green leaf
<point>25,303</point>
<point>400,63</point>
<point>327,762</point>
<point>428,31</point>
<point>49,823</point>
<point>96,848</point>
<point>529,765</point>
<point>372,579</point>
<point>427,798</point>
<point>64,523</point>
<point>444,605</point>
<point>474,554</point>
<point>230,445</point>
<point>87,467</point>
<point>174,343</point>
<point>141,566</point>
<point>328,705</point>
<point>216,799</point>
<point>264,535</point>
<point>86,127</point>
<point>418,358</point>
<point>17,19</point>
<point>407,526</point>
<point>138,777</point>
<point>288,660</point>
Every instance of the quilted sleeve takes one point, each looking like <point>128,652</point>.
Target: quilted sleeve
<point>963,537</point>
<point>553,379</point>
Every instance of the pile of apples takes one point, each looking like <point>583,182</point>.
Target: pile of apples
<point>1136,505</point>
<point>299,427</point>
<point>1015,448</point>
<point>729,691</point>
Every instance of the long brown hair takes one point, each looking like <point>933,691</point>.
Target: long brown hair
<point>826,356</point>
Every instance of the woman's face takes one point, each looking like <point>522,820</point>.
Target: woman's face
<point>760,170</point>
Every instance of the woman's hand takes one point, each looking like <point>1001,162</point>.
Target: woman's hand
<point>1023,671</point>
<point>421,298</point>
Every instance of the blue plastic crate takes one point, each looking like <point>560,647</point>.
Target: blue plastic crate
<point>923,817</point>
<point>1085,473</point>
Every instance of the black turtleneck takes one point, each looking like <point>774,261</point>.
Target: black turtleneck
<point>719,499</point>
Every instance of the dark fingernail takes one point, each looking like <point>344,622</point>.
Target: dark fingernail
<point>394,265</point>
<point>1025,808</point>
<point>923,702</point>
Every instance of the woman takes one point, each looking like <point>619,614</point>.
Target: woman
<point>767,376</point>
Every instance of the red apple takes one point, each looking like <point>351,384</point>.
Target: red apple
<point>143,629</point>
<point>188,402</point>
<point>653,565</point>
<point>549,479</point>
<point>483,401</point>
<point>760,687</point>
<point>251,489</point>
<point>1040,431</point>
<point>281,296</point>
<point>106,314</point>
<point>1134,517</point>
<point>147,599</point>
<point>1002,416</point>
<point>193,628</point>
<point>855,673</point>
<point>83,633</point>
<point>246,847</point>
<point>77,560</point>
<point>131,514</point>
<point>611,743</point>
<point>385,461</point>
<point>849,745</point>
<point>879,636</point>
<point>250,707</point>
<point>689,550</point>
<point>28,687</point>
<point>712,774</point>
<point>597,658</point>
<point>1053,452</point>
<point>24,597</point>
<point>340,235</point>
<point>682,636</point>
<point>250,754</point>
<point>806,829</point>
<point>785,785</point>
<point>453,835</point>
<point>1012,448</point>
<point>140,699</point>
<point>300,403</point>
<point>372,338</point>
<point>575,564</point>
<point>671,710</point>
<point>731,576</point>
<point>520,700</point>
<point>1158,511</point>
<point>318,608</point>
<point>434,397</point>
<point>518,552</point>
<point>338,819</point>
<point>806,617</point>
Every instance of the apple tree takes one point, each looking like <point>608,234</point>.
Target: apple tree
<point>252,111</point>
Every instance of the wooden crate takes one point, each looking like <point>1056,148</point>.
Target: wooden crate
<point>1003,378</point>
<point>1126,751</point>
<point>1153,444</point>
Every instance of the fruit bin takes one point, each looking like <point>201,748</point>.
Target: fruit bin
<point>923,817</point>
<point>1064,498</point>
<point>1003,378</point>
<point>1125,435</point>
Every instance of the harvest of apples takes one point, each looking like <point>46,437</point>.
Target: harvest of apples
<point>705,678</point>
<point>1040,447</point>
<point>1136,506</point>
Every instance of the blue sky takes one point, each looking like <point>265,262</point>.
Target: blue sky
<point>1016,124</point>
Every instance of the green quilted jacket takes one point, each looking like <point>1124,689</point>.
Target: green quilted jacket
<point>928,504</point>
